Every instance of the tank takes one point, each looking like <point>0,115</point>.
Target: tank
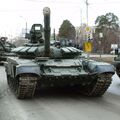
<point>63,42</point>
<point>38,64</point>
<point>116,61</point>
<point>5,49</point>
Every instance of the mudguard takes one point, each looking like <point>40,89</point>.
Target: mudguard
<point>27,69</point>
<point>100,67</point>
<point>104,69</point>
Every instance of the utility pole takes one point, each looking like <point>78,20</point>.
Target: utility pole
<point>81,16</point>
<point>88,55</point>
<point>25,24</point>
<point>26,28</point>
<point>87,11</point>
<point>54,34</point>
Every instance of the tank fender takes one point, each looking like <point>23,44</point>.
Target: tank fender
<point>101,67</point>
<point>27,69</point>
<point>104,69</point>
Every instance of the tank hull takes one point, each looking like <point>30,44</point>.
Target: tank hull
<point>25,76</point>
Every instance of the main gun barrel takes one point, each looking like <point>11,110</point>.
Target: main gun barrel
<point>46,13</point>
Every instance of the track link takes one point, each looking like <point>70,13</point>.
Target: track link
<point>22,88</point>
<point>26,90</point>
<point>100,87</point>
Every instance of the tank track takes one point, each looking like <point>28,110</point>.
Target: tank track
<point>22,88</point>
<point>26,90</point>
<point>100,87</point>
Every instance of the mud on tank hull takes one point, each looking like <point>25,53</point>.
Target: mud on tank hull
<point>25,76</point>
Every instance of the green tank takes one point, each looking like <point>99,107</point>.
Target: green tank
<point>5,49</point>
<point>38,64</point>
<point>63,42</point>
<point>116,62</point>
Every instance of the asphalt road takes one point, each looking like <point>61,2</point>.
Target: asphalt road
<point>59,105</point>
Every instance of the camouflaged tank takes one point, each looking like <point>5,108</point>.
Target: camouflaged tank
<point>116,62</point>
<point>5,49</point>
<point>39,64</point>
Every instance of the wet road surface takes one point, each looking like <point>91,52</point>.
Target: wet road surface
<point>59,105</point>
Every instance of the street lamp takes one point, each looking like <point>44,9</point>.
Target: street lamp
<point>87,10</point>
<point>100,42</point>
<point>25,23</point>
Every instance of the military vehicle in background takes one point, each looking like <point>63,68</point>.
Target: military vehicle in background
<point>116,61</point>
<point>38,64</point>
<point>5,49</point>
<point>62,42</point>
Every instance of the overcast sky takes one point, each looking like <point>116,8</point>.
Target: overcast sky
<point>15,13</point>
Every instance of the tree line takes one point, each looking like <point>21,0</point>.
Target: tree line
<point>107,24</point>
